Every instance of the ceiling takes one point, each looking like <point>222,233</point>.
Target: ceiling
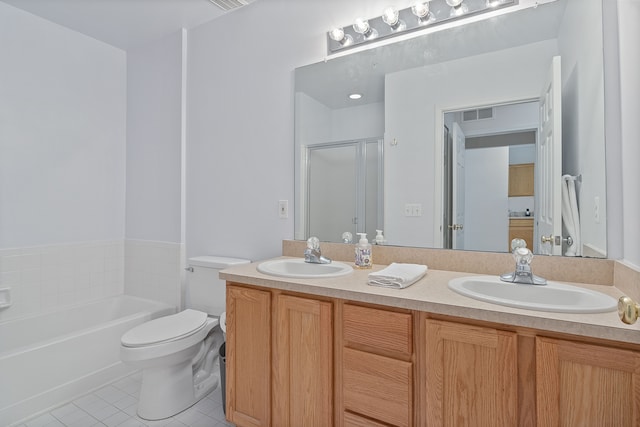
<point>124,24</point>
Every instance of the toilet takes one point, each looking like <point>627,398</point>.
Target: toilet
<point>178,354</point>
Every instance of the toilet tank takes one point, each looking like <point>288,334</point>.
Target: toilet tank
<point>205,291</point>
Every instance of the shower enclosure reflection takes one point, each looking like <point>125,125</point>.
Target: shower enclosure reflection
<point>344,182</point>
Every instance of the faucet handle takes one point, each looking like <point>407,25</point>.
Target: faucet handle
<point>522,255</point>
<point>313,243</point>
<point>518,243</point>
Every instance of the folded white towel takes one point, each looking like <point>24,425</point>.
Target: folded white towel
<point>397,275</point>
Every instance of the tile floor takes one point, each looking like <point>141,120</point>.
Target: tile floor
<point>115,405</point>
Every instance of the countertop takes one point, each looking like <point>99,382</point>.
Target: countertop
<point>431,294</point>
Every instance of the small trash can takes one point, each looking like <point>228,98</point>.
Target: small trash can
<point>223,376</point>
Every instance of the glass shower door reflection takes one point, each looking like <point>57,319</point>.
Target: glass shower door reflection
<point>344,185</point>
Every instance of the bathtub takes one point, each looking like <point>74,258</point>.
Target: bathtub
<point>49,359</point>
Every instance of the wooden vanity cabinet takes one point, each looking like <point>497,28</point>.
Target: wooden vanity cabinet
<point>279,359</point>
<point>585,385</point>
<point>520,228</point>
<point>469,375</point>
<point>300,360</point>
<point>376,366</point>
<point>248,355</point>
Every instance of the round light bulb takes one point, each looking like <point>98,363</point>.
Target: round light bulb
<point>337,34</point>
<point>420,9</point>
<point>390,16</point>
<point>361,26</point>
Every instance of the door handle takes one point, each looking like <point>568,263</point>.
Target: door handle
<point>456,226</point>
<point>556,240</point>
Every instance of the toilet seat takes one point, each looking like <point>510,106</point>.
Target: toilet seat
<point>165,329</point>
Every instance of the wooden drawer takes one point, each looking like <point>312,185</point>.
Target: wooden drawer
<point>378,387</point>
<point>380,330</point>
<point>352,420</point>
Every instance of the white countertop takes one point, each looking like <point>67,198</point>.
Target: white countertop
<point>431,294</point>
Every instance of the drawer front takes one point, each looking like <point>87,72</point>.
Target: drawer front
<point>352,420</point>
<point>382,330</point>
<point>377,387</point>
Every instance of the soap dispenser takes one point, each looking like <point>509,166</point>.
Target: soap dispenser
<point>380,240</point>
<point>363,252</point>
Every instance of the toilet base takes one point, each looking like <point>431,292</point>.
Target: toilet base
<point>166,391</point>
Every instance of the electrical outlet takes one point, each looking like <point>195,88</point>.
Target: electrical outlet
<point>283,209</point>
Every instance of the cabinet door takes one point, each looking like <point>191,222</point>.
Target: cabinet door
<point>521,180</point>
<point>471,375</point>
<point>248,353</point>
<point>303,368</point>
<point>586,385</point>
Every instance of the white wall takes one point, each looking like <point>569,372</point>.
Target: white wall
<point>583,102</point>
<point>410,167</point>
<point>155,187</point>
<point>486,222</point>
<point>154,140</point>
<point>629,33</point>
<point>240,120</point>
<point>62,165</point>
<point>62,135</point>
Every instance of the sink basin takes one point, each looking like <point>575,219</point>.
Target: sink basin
<point>554,296</point>
<point>297,268</point>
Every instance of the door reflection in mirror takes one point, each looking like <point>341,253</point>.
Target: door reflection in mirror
<point>478,151</point>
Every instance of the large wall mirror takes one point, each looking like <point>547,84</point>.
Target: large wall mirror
<point>462,138</point>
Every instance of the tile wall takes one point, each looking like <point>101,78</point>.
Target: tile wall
<point>44,278</point>
<point>153,270</point>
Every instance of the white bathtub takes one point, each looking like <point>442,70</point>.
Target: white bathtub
<point>49,359</point>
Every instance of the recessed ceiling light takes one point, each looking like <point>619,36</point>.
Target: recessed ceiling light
<point>355,96</point>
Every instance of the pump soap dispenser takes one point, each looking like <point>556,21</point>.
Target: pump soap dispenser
<point>363,252</point>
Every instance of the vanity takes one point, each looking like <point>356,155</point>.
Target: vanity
<point>337,351</point>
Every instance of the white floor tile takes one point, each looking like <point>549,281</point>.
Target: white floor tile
<point>115,405</point>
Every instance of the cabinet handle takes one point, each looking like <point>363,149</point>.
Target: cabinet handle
<point>628,310</point>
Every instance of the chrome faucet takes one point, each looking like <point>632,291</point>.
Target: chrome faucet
<point>313,254</point>
<point>523,273</point>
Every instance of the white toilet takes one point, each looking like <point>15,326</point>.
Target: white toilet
<point>178,354</point>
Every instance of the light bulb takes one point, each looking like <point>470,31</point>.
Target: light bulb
<point>361,26</point>
<point>457,7</point>
<point>390,16</point>
<point>337,34</point>
<point>420,9</point>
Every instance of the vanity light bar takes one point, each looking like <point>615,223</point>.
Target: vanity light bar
<point>393,22</point>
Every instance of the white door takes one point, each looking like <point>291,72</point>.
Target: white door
<point>457,185</point>
<point>548,210</point>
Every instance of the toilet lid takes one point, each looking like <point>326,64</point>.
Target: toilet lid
<point>168,328</point>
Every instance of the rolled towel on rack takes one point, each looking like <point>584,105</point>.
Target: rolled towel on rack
<point>397,275</point>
